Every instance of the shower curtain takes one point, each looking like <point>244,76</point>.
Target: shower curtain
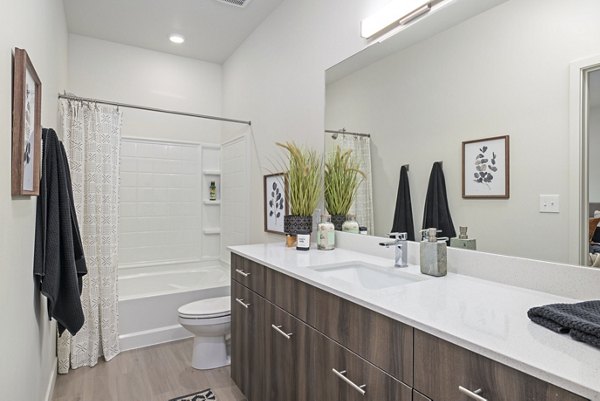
<point>91,135</point>
<point>363,203</point>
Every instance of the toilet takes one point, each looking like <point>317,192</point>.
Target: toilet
<point>210,322</point>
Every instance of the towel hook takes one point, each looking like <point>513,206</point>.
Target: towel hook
<point>407,167</point>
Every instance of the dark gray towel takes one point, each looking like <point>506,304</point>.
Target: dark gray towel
<point>437,211</point>
<point>581,320</point>
<point>403,216</point>
<point>59,263</point>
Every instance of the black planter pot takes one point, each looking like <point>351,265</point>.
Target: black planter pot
<point>338,220</point>
<point>295,225</point>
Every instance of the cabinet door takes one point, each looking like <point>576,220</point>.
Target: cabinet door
<point>248,342</point>
<point>341,375</point>
<point>446,372</point>
<point>288,353</point>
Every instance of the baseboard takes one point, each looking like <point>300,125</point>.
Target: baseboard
<point>146,338</point>
<point>51,381</point>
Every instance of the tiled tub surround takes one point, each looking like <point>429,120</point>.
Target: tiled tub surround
<point>160,196</point>
<point>482,316</point>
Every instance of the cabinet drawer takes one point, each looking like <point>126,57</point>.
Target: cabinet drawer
<point>248,273</point>
<point>291,295</point>
<point>247,342</point>
<point>441,367</point>
<point>384,342</point>
<point>341,375</point>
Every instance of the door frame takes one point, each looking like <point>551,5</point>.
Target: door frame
<point>579,158</point>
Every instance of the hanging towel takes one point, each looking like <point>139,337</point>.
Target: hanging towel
<point>59,263</point>
<point>581,320</point>
<point>437,212</point>
<point>403,217</point>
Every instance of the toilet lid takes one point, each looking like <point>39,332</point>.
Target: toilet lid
<point>206,308</point>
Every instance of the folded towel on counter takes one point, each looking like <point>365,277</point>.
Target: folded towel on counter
<point>581,320</point>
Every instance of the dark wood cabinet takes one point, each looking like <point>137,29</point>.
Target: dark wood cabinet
<point>289,351</point>
<point>341,375</point>
<point>248,273</point>
<point>446,372</point>
<point>294,342</point>
<point>247,342</point>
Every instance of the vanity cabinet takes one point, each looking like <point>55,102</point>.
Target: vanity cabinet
<point>294,342</point>
<point>446,372</point>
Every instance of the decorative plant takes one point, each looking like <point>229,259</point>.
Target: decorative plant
<point>304,179</point>
<point>342,179</point>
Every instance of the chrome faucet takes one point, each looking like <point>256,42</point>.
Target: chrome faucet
<point>401,244</point>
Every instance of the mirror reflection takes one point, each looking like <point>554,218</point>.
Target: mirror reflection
<point>504,72</point>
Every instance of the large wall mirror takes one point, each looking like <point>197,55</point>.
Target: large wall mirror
<point>505,71</point>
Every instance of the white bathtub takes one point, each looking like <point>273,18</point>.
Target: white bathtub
<point>149,298</point>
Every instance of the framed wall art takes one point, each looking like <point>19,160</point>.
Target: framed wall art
<point>486,168</point>
<point>276,207</point>
<point>26,126</point>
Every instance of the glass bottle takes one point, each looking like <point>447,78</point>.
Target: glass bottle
<point>326,234</point>
<point>213,191</point>
<point>350,225</point>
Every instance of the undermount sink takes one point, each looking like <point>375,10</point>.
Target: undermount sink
<point>367,276</point>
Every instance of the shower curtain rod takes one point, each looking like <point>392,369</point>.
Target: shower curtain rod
<point>344,132</point>
<point>133,106</point>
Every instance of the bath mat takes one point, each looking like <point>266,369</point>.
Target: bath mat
<point>204,395</point>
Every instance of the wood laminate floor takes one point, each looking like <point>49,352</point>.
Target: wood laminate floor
<point>156,373</point>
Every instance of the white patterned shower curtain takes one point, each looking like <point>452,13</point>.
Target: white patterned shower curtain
<point>363,203</point>
<point>92,134</point>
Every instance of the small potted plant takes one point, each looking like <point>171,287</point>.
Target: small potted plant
<point>342,179</point>
<point>303,186</point>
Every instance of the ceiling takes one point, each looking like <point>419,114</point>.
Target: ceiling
<point>213,30</point>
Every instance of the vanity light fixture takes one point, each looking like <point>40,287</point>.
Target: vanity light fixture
<point>176,38</point>
<point>397,13</point>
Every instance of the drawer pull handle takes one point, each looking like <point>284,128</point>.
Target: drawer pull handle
<point>283,333</point>
<point>342,375</point>
<point>243,273</point>
<point>472,394</point>
<point>241,302</point>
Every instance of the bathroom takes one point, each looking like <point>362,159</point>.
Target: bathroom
<point>286,71</point>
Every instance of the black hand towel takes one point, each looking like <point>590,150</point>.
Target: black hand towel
<point>581,320</point>
<point>59,263</point>
<point>437,212</point>
<point>403,217</point>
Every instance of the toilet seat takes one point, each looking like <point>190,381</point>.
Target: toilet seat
<point>210,308</point>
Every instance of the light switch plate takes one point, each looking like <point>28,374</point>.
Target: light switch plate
<point>549,203</point>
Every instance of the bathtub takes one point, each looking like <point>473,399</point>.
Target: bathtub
<point>149,298</point>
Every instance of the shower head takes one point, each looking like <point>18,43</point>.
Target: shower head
<point>334,135</point>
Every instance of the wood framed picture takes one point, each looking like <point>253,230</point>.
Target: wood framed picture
<point>276,206</point>
<point>26,126</point>
<point>486,168</point>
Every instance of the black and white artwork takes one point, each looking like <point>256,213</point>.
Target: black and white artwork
<point>275,202</point>
<point>486,168</point>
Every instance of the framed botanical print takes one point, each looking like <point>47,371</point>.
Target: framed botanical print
<point>276,207</point>
<point>486,168</point>
<point>26,126</point>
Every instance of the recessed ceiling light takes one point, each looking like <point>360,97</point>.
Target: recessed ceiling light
<point>176,38</point>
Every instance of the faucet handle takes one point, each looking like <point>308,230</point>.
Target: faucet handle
<point>398,236</point>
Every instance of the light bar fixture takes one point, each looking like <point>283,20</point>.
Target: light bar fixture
<point>395,13</point>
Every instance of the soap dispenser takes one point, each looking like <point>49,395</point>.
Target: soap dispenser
<point>433,253</point>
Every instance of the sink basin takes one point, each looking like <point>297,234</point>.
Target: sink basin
<point>367,276</point>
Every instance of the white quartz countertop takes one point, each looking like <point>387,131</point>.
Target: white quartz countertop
<point>482,316</point>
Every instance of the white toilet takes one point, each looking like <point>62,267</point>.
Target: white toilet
<point>210,322</point>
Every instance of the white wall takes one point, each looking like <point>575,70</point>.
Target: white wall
<point>115,72</point>
<point>276,78</point>
<point>27,339</point>
<point>505,71</point>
